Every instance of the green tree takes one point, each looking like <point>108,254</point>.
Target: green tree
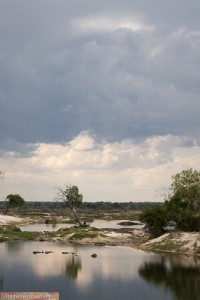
<point>73,199</point>
<point>185,189</point>
<point>13,200</point>
<point>155,218</point>
<point>183,200</point>
<point>182,205</point>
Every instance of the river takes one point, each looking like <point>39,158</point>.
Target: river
<point>117,273</point>
<point>96,223</point>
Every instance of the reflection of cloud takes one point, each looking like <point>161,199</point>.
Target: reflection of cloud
<point>112,264</point>
<point>47,265</point>
<point>116,264</point>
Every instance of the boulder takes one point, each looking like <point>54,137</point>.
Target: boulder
<point>94,255</point>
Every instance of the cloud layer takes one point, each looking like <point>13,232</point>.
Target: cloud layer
<point>119,171</point>
<point>120,80</point>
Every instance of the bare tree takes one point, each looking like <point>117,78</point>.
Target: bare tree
<point>71,196</point>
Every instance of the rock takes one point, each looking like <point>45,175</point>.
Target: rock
<point>36,252</point>
<point>137,232</point>
<point>14,228</point>
<point>100,244</point>
<point>57,239</point>
<point>94,255</point>
<point>47,252</point>
<point>41,239</point>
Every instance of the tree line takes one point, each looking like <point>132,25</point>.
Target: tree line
<point>49,206</point>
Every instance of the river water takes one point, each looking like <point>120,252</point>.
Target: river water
<point>117,273</point>
<point>96,223</point>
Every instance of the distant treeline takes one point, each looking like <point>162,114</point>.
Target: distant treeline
<point>104,206</point>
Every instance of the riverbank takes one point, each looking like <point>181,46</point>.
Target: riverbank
<point>187,243</point>
<point>177,242</point>
<point>5,219</point>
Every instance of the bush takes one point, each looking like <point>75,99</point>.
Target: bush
<point>155,219</point>
<point>188,221</point>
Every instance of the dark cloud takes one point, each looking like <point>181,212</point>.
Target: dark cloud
<point>61,75</point>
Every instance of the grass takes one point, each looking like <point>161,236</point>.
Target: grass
<point>128,223</point>
<point>70,221</point>
<point>100,244</point>
<point>79,233</point>
<point>168,245</point>
<point>22,235</point>
<point>84,235</point>
<point>12,232</point>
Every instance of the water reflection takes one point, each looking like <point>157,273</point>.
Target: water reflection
<point>115,274</point>
<point>14,247</point>
<point>1,283</point>
<point>54,225</point>
<point>73,266</point>
<point>96,223</point>
<point>182,280</point>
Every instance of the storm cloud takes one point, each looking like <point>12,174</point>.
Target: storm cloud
<point>114,71</point>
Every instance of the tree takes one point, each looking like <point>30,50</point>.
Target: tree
<point>182,205</point>
<point>13,200</point>
<point>155,219</point>
<point>71,196</point>
<point>185,189</point>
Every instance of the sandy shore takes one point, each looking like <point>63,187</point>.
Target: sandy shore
<point>5,219</point>
<point>177,242</point>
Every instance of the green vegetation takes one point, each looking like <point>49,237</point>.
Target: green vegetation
<point>9,232</point>
<point>128,223</point>
<point>71,196</point>
<point>100,244</point>
<point>13,232</point>
<point>124,210</point>
<point>84,235</point>
<point>70,221</point>
<point>168,245</point>
<point>156,219</point>
<point>181,207</point>
<point>13,200</point>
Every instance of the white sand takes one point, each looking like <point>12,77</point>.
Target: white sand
<point>185,242</point>
<point>4,219</point>
<point>116,234</point>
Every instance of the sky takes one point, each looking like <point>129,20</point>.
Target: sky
<point>104,95</point>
